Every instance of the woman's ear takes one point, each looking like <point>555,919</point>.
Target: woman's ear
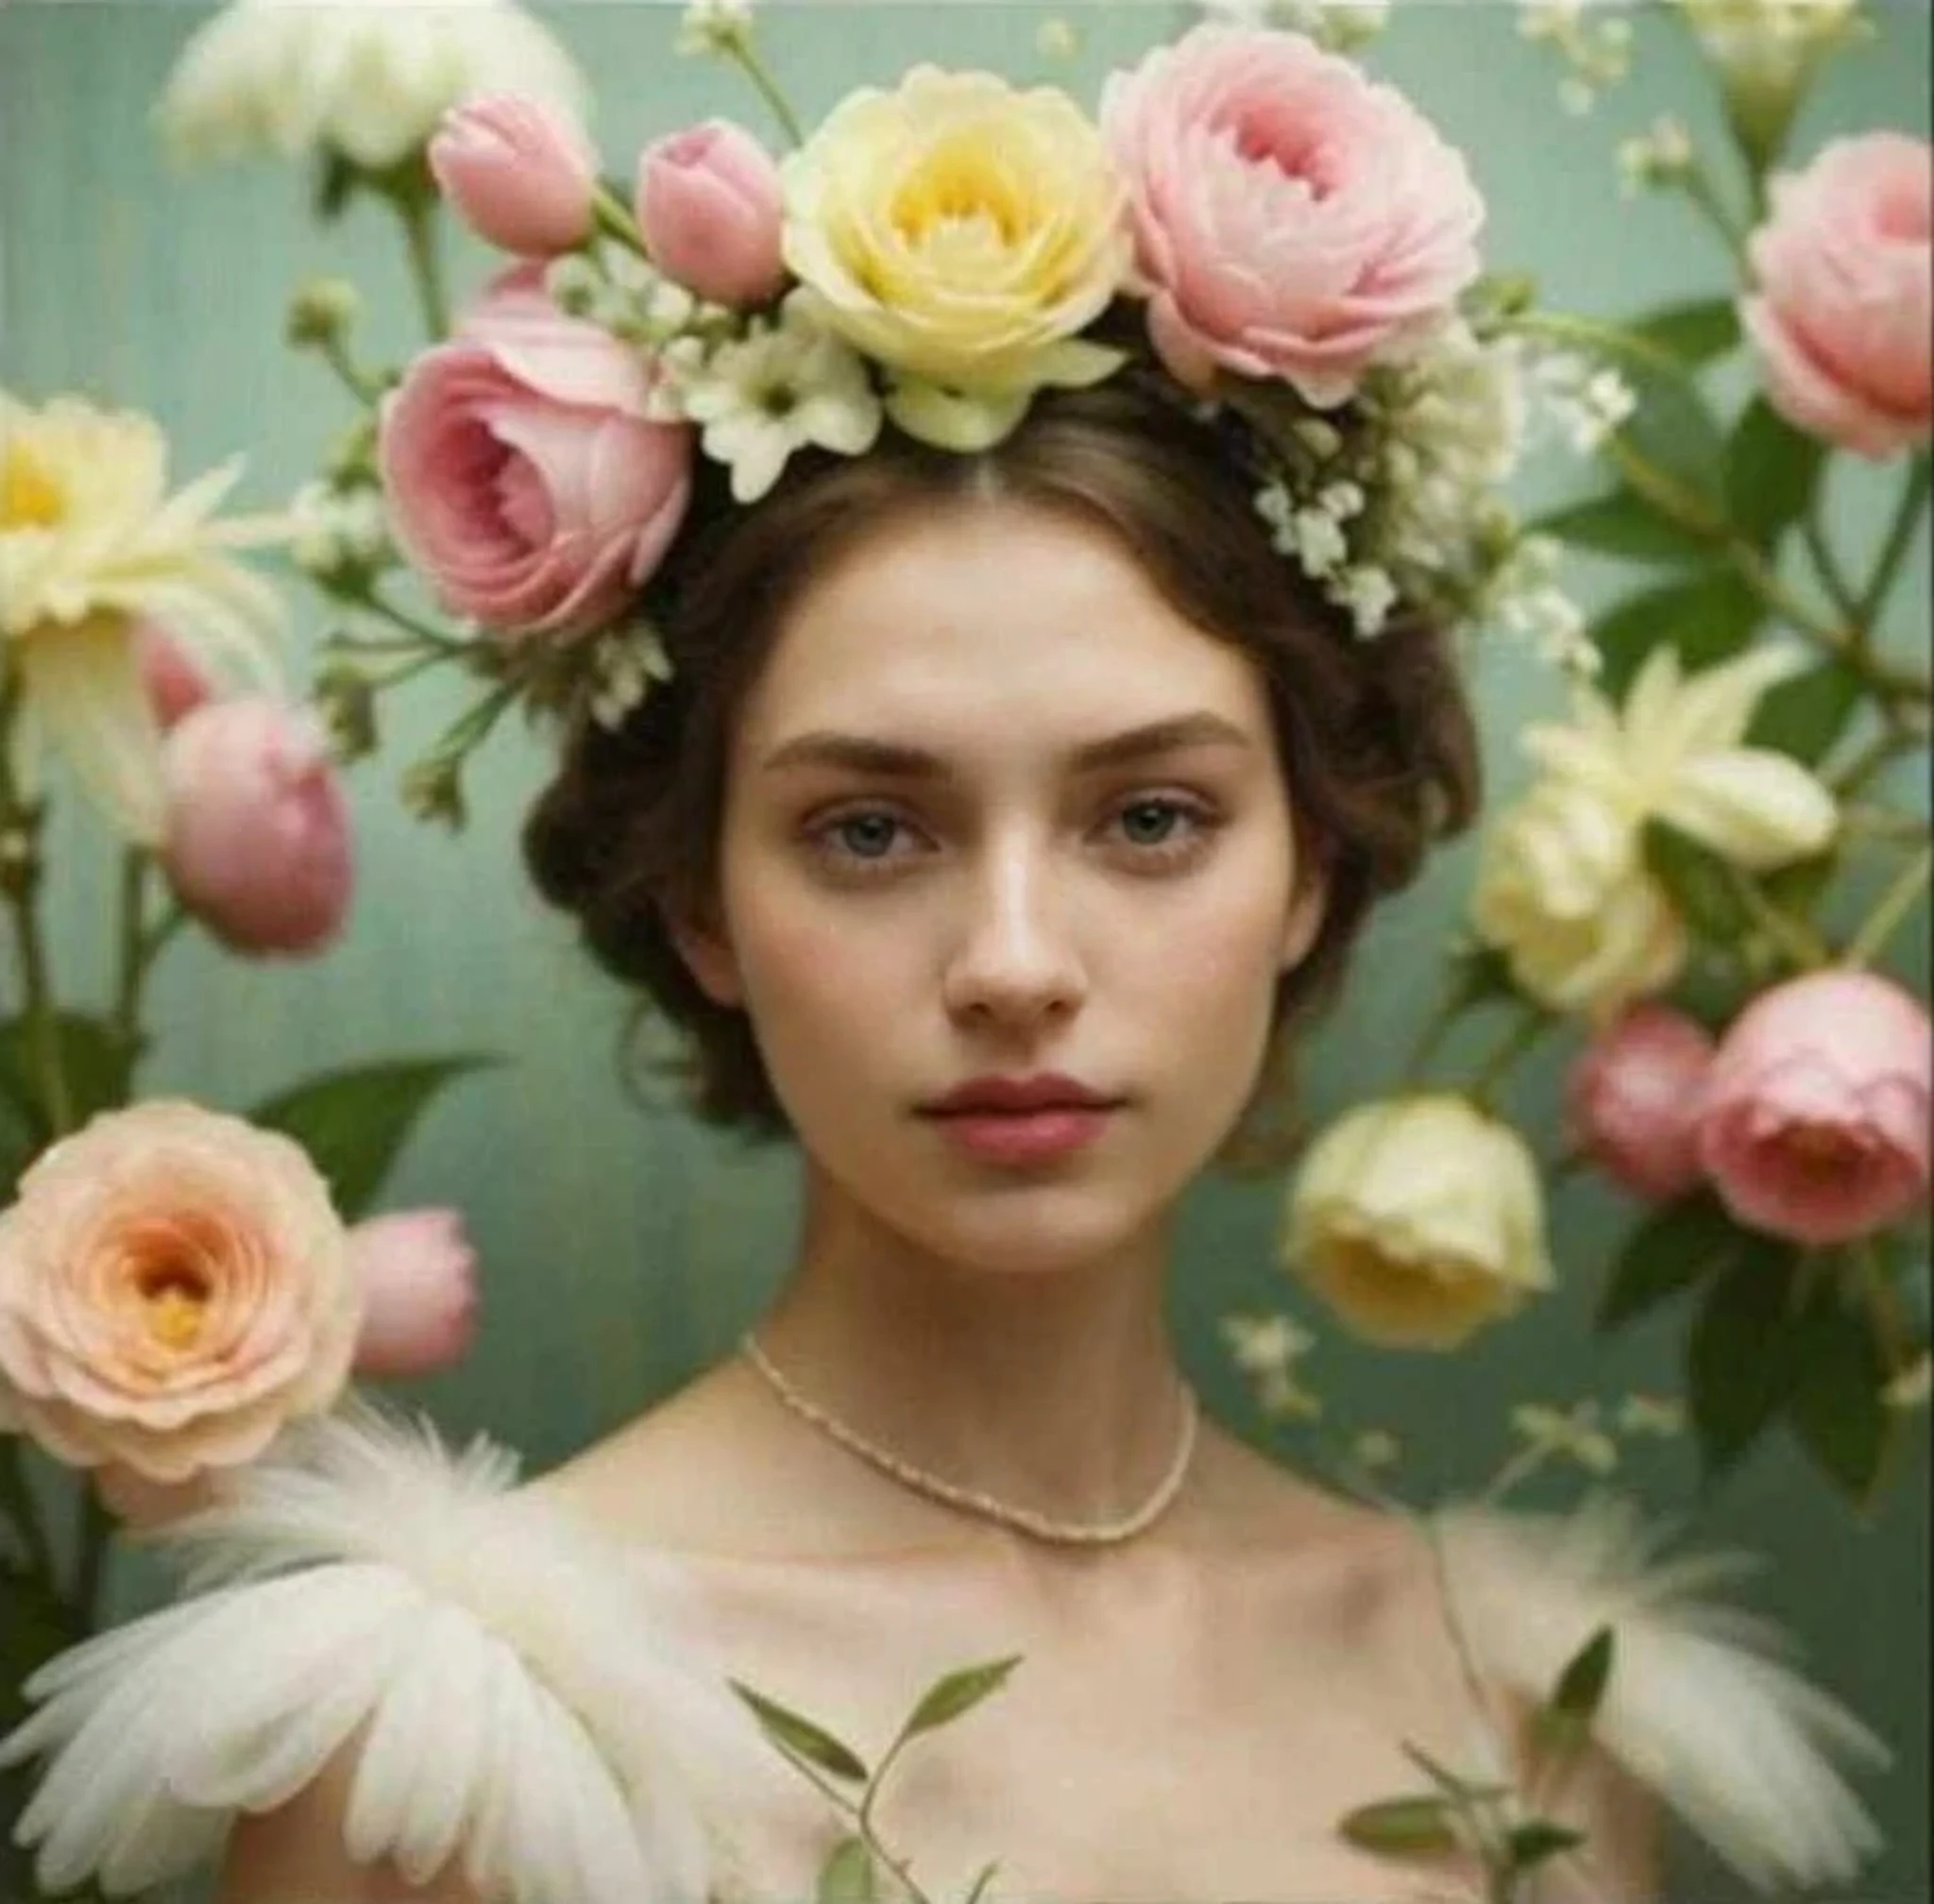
<point>1307,909</point>
<point>706,949</point>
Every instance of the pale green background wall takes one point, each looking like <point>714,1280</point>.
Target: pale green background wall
<point>622,1249</point>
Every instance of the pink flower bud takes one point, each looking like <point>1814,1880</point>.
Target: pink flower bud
<point>173,681</point>
<point>419,1291</point>
<point>710,210</point>
<point>519,175</point>
<point>139,1503</point>
<point>258,843</point>
<point>1814,1124</point>
<point>1632,1101</point>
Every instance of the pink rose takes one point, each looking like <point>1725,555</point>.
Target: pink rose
<point>173,681</point>
<point>174,1285</point>
<point>258,844</point>
<point>1632,1101</point>
<point>523,476</point>
<point>1814,1122</point>
<point>1846,300</point>
<point>710,210</point>
<point>1292,220</point>
<point>520,175</point>
<point>419,1289</point>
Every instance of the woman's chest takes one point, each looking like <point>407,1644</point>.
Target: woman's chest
<point>1176,1738</point>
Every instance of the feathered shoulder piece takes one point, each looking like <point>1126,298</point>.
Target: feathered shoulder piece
<point>522,1703</point>
<point>1705,1703</point>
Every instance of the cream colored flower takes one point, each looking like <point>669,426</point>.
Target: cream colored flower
<point>1418,1219</point>
<point>961,233</point>
<point>91,544</point>
<point>1562,891</point>
<point>366,80</point>
<point>1766,51</point>
<point>174,1285</point>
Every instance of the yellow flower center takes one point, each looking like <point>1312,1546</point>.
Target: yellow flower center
<point>29,497</point>
<point>177,1308</point>
<point>957,186</point>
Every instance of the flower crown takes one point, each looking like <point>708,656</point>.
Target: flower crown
<point>1285,244</point>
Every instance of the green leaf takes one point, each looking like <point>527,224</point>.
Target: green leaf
<point>1672,1249</point>
<point>1837,1408</point>
<point>1403,1825</point>
<point>1707,618</point>
<point>795,1733</point>
<point>1806,713</point>
<point>848,1876</point>
<point>982,1879</point>
<point>1694,333</point>
<point>957,1693</point>
<point>97,1063</point>
<point>1796,890</point>
<point>1771,470</point>
<point>1670,449</point>
<point>352,1123</point>
<point>1582,1685</point>
<point>1743,1358</point>
<point>1701,884</point>
<point>1532,1842</point>
<point>1624,523</point>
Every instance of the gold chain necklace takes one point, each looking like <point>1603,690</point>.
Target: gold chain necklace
<point>1024,1520</point>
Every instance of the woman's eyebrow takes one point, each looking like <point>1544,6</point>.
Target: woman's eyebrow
<point>865,754</point>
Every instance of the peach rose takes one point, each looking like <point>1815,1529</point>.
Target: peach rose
<point>710,210</point>
<point>419,1291</point>
<point>524,476</point>
<point>1844,302</point>
<point>1814,1121</point>
<point>1632,1101</point>
<point>1292,219</point>
<point>174,1285</point>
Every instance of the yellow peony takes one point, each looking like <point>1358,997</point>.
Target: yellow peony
<point>961,234</point>
<point>1418,1219</point>
<point>90,546</point>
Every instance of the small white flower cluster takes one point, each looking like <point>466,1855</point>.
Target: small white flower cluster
<point>1572,1434</point>
<point>722,27</point>
<point>1597,51</point>
<point>1524,600</point>
<point>625,662</point>
<point>341,532</point>
<point>1586,400</point>
<point>1337,26</point>
<point>621,292</point>
<point>1265,1349</point>
<point>1663,156</point>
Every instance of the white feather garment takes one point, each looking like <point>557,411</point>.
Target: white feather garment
<point>530,1704</point>
<point>1701,1707</point>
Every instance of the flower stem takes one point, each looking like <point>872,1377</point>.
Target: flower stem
<point>1533,1026</point>
<point>754,70</point>
<point>19,880</point>
<point>1900,536</point>
<point>1833,577</point>
<point>1891,907</point>
<point>96,1530</point>
<point>417,212</point>
<point>1696,182</point>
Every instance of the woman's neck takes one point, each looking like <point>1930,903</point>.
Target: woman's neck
<point>1050,1387</point>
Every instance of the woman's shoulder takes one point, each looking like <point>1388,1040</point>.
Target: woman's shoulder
<point>514,1694</point>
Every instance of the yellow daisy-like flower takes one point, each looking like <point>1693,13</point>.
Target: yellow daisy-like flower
<point>92,546</point>
<point>961,233</point>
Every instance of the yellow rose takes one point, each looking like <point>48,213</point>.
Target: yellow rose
<point>961,234</point>
<point>1418,1219</point>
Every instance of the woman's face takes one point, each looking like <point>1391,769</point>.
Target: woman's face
<point>995,808</point>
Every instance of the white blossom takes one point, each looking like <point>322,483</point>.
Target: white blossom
<point>336,529</point>
<point>722,27</point>
<point>625,664</point>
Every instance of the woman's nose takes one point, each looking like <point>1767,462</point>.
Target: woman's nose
<point>1014,959</point>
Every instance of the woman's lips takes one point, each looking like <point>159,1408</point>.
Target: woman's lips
<point>1025,1136</point>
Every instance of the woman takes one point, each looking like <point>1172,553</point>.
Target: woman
<point>1006,814</point>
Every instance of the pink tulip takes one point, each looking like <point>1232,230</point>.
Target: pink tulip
<point>258,845</point>
<point>1843,315</point>
<point>1632,1101</point>
<point>171,678</point>
<point>1814,1120</point>
<point>525,477</point>
<point>1292,218</point>
<point>419,1291</point>
<point>710,210</point>
<point>519,175</point>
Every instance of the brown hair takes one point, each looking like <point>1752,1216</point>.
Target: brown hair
<point>1377,744</point>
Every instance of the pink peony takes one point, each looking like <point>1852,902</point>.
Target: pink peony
<point>1814,1121</point>
<point>1632,1101</point>
<point>524,477</point>
<point>520,176</point>
<point>711,210</point>
<point>174,1285</point>
<point>1292,219</point>
<point>419,1289</point>
<point>258,844</point>
<point>1846,298</point>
